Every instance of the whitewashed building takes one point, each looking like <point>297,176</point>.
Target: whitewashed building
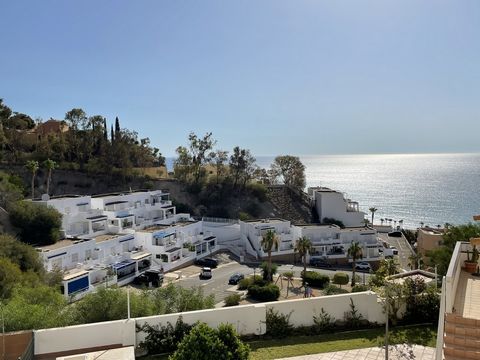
<point>111,239</point>
<point>333,205</point>
<point>330,242</point>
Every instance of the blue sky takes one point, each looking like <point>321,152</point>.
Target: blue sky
<point>277,77</point>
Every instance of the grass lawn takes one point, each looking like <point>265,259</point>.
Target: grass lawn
<point>305,345</point>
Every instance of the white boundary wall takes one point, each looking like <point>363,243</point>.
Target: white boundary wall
<point>246,319</point>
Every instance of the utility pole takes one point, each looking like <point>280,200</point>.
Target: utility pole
<point>386,321</point>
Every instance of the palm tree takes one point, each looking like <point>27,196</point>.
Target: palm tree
<point>421,224</point>
<point>381,221</point>
<point>390,266</point>
<point>373,210</point>
<point>50,165</point>
<point>32,165</point>
<point>270,241</point>
<point>414,261</point>
<point>355,252</point>
<point>303,246</point>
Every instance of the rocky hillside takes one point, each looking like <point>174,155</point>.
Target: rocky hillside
<point>279,201</point>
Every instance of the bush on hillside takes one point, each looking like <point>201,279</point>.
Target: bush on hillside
<point>164,339</point>
<point>232,300</point>
<point>38,224</point>
<point>315,279</point>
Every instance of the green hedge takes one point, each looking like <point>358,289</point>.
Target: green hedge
<point>334,290</point>
<point>341,278</point>
<point>268,292</point>
<point>315,279</point>
<point>245,283</point>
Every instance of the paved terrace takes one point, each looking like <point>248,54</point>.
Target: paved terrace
<point>373,353</point>
<point>467,299</point>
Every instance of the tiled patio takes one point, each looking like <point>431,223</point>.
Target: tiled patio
<point>467,298</point>
<point>420,353</point>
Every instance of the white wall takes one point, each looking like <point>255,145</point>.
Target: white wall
<point>85,336</point>
<point>247,319</point>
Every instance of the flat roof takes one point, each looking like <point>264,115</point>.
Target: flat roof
<point>140,255</point>
<point>154,228</point>
<point>106,237</point>
<point>116,202</point>
<point>172,250</point>
<point>266,221</point>
<point>74,273</point>
<point>62,244</point>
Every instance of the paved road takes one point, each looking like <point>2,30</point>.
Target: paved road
<point>404,251</point>
<point>218,284</point>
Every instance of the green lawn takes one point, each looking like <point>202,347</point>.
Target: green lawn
<point>305,345</point>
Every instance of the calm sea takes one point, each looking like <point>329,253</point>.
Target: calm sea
<point>429,188</point>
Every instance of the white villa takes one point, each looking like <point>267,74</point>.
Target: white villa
<point>116,237</point>
<point>333,204</point>
<point>330,242</point>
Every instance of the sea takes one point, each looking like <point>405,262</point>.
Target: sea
<point>432,189</point>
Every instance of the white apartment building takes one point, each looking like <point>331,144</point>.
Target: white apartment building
<point>114,238</point>
<point>330,242</point>
<point>333,204</point>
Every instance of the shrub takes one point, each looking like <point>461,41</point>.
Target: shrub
<point>278,325</point>
<point>243,216</point>
<point>340,278</point>
<point>331,221</point>
<point>232,300</point>
<point>264,267</point>
<point>38,224</point>
<point>352,317</point>
<point>268,292</point>
<point>258,190</point>
<point>334,290</point>
<point>359,288</point>
<point>316,279</point>
<point>205,343</point>
<point>245,283</point>
<point>164,339</point>
<point>323,322</point>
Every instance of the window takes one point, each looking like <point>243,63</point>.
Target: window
<point>158,256</point>
<point>88,254</point>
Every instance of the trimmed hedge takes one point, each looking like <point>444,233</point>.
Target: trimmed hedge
<point>315,279</point>
<point>334,290</point>
<point>268,292</point>
<point>341,278</point>
<point>245,283</point>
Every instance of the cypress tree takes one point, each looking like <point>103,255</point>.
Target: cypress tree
<point>117,127</point>
<point>112,135</point>
<point>105,133</point>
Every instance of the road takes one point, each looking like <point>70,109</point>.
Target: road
<point>218,284</point>
<point>404,251</point>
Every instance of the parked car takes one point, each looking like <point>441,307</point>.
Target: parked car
<point>316,262</point>
<point>363,266</point>
<point>235,278</point>
<point>152,278</point>
<point>208,262</point>
<point>395,234</point>
<point>390,252</point>
<point>206,273</point>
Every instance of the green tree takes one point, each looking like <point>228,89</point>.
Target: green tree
<point>303,246</point>
<point>219,159</point>
<point>33,167</point>
<point>242,166</point>
<point>290,170</point>
<point>10,191</point>
<point>38,224</point>
<point>50,165</point>
<point>269,242</point>
<point>355,252</point>
<point>441,256</point>
<point>373,210</point>
<point>19,121</point>
<point>21,254</point>
<point>205,343</point>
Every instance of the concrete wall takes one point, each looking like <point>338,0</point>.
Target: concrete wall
<point>366,303</point>
<point>247,319</point>
<point>61,341</point>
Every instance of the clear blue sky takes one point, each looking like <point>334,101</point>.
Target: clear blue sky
<point>297,77</point>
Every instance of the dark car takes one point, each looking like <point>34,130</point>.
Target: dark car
<point>235,279</point>
<point>319,263</point>
<point>395,234</point>
<point>152,278</point>
<point>209,262</point>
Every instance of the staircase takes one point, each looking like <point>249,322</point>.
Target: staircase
<point>461,338</point>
